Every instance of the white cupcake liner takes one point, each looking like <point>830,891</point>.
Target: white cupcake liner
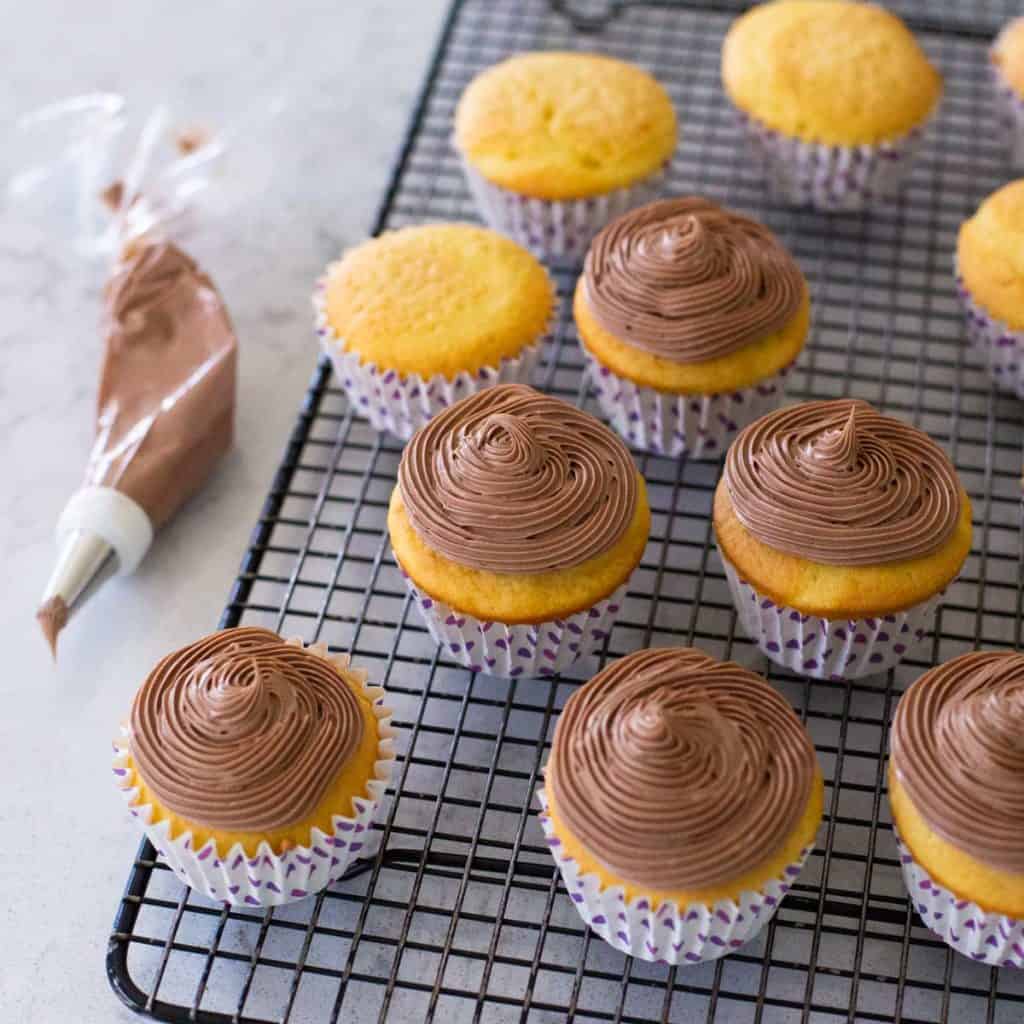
<point>821,648</point>
<point>402,403</point>
<point>831,178</point>
<point>556,229</point>
<point>1010,111</point>
<point>978,934</point>
<point>509,650</point>
<point>667,933</point>
<point>667,423</point>
<point>268,878</point>
<point>1001,347</point>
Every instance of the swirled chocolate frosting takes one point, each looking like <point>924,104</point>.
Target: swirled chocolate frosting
<point>958,751</point>
<point>243,731</point>
<point>512,481</point>
<point>678,771</point>
<point>689,281</point>
<point>839,483</point>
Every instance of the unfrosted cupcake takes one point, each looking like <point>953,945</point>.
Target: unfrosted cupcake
<point>517,521</point>
<point>554,145</point>
<point>690,316</point>
<point>255,765</point>
<point>420,317</point>
<point>1007,62</point>
<point>680,802</point>
<point>834,94</point>
<point>956,786</point>
<point>839,529</point>
<point>990,283</point>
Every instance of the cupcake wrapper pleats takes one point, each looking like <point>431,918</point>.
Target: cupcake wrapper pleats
<point>999,345</point>
<point>978,934</point>
<point>667,933</point>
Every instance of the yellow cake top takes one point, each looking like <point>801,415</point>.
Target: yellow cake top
<point>565,125</point>
<point>830,71</point>
<point>990,254</point>
<point>438,298</point>
<point>1008,54</point>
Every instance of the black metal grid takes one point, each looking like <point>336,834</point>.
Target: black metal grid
<point>462,918</point>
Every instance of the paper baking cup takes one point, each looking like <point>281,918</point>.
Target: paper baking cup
<point>701,426</point>
<point>666,933</point>
<point>997,343</point>
<point>509,650</point>
<point>402,403</point>
<point>831,178</point>
<point>268,878</point>
<point>556,229</point>
<point>828,648</point>
<point>978,934</point>
<point>1010,111</point>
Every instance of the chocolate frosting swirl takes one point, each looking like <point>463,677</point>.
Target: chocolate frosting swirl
<point>243,731</point>
<point>689,281</point>
<point>512,481</point>
<point>958,751</point>
<point>680,772</point>
<point>841,484</point>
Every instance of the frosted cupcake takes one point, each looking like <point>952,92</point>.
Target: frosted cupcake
<point>517,521</point>
<point>839,529</point>
<point>554,145</point>
<point>690,316</point>
<point>680,802</point>
<point>420,317</point>
<point>956,785</point>
<point>1007,62</point>
<point>834,95</point>
<point>255,765</point>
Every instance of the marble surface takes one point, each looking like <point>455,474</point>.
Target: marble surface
<point>348,74</point>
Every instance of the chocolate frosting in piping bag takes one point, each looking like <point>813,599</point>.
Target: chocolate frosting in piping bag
<point>680,772</point>
<point>841,484</point>
<point>512,481</point>
<point>243,730</point>
<point>958,751</point>
<point>689,281</point>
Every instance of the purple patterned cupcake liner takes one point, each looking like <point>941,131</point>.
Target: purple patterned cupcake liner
<point>991,938</point>
<point>267,878</point>
<point>997,343</point>
<point>1009,110</point>
<point>666,423</point>
<point>510,650</point>
<point>556,229</point>
<point>667,933</point>
<point>402,403</point>
<point>831,178</point>
<point>821,648</point>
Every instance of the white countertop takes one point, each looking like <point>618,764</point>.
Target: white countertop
<point>349,73</point>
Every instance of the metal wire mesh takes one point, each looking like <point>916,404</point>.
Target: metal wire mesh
<point>461,917</point>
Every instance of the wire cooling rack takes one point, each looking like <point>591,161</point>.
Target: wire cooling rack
<point>461,917</point>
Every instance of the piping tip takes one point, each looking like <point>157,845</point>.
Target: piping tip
<point>52,618</point>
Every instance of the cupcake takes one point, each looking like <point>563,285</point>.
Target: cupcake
<point>554,145</point>
<point>1007,62</point>
<point>517,521</point>
<point>834,95</point>
<point>839,529</point>
<point>990,283</point>
<point>956,786</point>
<point>255,765</point>
<point>690,316</point>
<point>420,317</point>
<point>680,802</point>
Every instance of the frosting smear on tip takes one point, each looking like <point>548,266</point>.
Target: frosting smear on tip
<point>52,617</point>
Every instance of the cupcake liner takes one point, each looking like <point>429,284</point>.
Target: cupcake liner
<point>700,426</point>
<point>978,934</point>
<point>556,229</point>
<point>1010,111</point>
<point>402,403</point>
<point>999,345</point>
<point>828,648</point>
<point>831,178</point>
<point>667,933</point>
<point>269,878</point>
<point>508,650</point>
